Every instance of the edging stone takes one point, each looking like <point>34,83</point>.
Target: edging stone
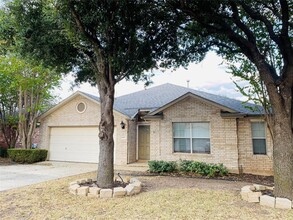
<point>78,188</point>
<point>251,194</point>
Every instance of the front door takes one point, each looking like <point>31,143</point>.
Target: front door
<point>143,142</point>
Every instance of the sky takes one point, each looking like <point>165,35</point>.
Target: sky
<point>210,75</point>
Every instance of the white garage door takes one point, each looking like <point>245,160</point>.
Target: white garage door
<point>78,144</point>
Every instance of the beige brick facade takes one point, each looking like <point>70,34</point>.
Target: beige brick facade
<point>223,134</point>
<point>230,138</point>
<point>67,116</point>
<point>248,162</point>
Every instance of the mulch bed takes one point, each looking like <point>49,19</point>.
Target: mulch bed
<point>249,178</point>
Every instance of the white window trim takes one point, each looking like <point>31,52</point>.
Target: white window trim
<point>85,107</point>
<point>190,133</point>
<point>265,136</point>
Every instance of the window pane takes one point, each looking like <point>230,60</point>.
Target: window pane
<point>258,129</point>
<point>182,145</point>
<point>201,130</point>
<point>259,146</point>
<point>181,130</point>
<point>201,145</point>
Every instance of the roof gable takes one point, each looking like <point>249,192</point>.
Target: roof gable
<point>156,98</point>
<point>90,97</point>
<point>189,94</point>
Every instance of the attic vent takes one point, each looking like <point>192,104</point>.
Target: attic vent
<point>81,107</point>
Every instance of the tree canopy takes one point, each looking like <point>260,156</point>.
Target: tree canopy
<point>258,35</point>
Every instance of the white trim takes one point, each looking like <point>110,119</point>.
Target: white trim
<point>265,136</point>
<point>190,133</point>
<point>85,107</point>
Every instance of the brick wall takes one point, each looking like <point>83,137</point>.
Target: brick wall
<point>67,116</point>
<point>223,134</point>
<point>250,163</point>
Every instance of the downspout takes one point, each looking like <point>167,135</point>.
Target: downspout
<point>240,167</point>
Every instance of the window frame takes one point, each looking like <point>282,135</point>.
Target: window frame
<point>259,138</point>
<point>190,137</point>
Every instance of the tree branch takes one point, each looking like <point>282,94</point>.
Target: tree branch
<point>82,28</point>
<point>239,23</point>
<point>259,17</point>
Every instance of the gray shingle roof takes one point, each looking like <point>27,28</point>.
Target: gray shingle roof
<point>159,96</point>
<point>156,97</point>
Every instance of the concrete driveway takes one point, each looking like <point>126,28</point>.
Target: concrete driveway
<point>13,176</point>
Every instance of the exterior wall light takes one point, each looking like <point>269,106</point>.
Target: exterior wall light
<point>122,124</point>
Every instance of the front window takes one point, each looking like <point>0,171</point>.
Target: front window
<point>191,137</point>
<point>258,137</point>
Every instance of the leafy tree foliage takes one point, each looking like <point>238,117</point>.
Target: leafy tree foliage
<point>258,34</point>
<point>25,92</point>
<point>102,42</point>
<point>8,107</point>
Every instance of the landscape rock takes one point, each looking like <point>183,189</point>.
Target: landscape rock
<point>83,190</point>
<point>259,187</point>
<point>283,203</point>
<point>106,193</point>
<point>253,196</point>
<point>119,192</point>
<point>130,190</point>
<point>266,200</point>
<point>73,189</point>
<point>94,190</point>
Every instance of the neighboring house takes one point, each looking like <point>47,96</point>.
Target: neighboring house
<point>166,122</point>
<point>35,141</point>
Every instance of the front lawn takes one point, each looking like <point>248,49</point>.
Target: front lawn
<point>163,197</point>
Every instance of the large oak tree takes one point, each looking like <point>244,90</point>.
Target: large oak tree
<point>102,42</point>
<point>259,35</point>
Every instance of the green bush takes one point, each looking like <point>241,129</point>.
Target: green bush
<point>204,169</point>
<point>156,166</point>
<point>27,155</point>
<point>3,152</point>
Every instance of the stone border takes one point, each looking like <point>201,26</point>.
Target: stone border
<point>78,188</point>
<point>252,194</point>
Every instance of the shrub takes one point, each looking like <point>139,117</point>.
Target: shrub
<point>156,166</point>
<point>204,169</point>
<point>27,155</point>
<point>3,152</point>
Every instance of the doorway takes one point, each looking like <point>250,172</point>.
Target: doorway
<point>143,142</point>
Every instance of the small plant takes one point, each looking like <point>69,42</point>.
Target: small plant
<point>27,155</point>
<point>204,169</point>
<point>160,166</point>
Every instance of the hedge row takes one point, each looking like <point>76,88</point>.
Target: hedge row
<point>27,155</point>
<point>201,168</point>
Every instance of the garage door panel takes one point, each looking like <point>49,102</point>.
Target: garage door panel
<point>78,144</point>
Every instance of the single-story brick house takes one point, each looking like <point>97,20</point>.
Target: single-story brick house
<point>166,122</point>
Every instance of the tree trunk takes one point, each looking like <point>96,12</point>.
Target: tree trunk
<point>283,156</point>
<point>106,167</point>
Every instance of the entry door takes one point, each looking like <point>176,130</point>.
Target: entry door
<point>143,142</point>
